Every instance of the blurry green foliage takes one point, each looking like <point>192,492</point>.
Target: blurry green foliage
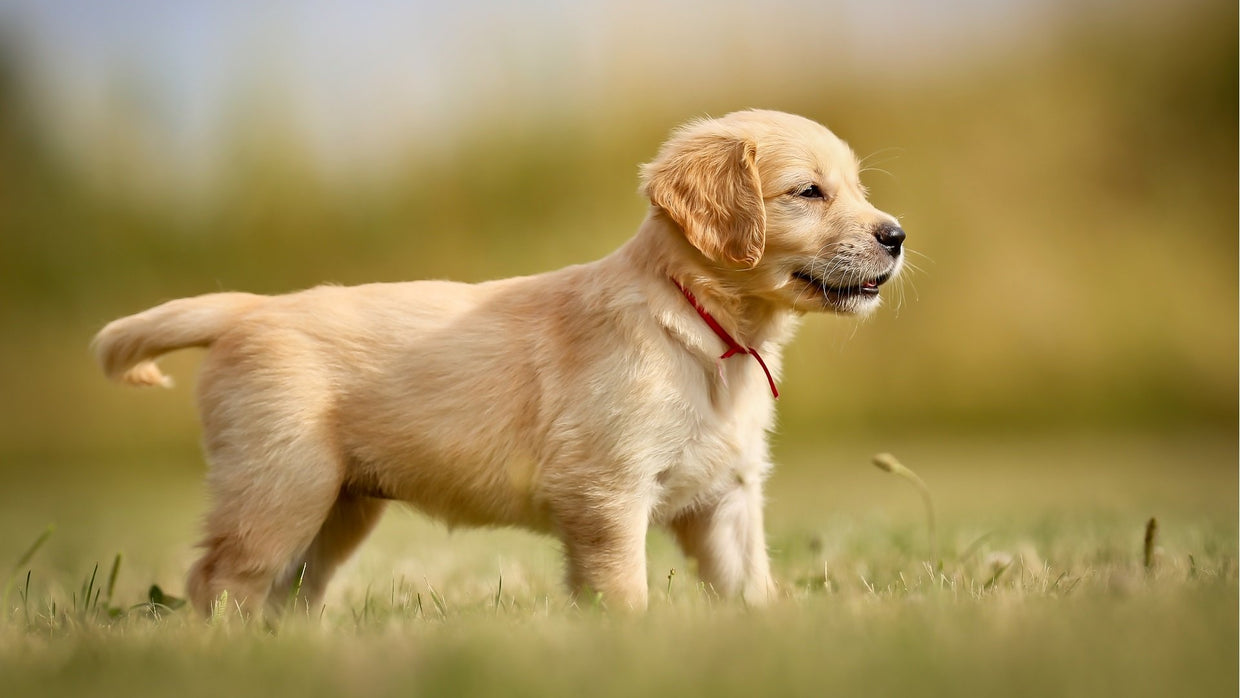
<point>1074,207</point>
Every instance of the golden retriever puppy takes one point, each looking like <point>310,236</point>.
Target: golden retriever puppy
<point>591,402</point>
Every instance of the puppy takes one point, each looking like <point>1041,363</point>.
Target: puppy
<point>590,403</point>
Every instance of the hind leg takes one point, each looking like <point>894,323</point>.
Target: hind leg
<point>351,519</point>
<point>268,505</point>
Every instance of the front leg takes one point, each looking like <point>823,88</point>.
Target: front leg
<point>728,542</point>
<point>606,548</point>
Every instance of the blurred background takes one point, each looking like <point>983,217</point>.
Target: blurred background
<point>1066,172</point>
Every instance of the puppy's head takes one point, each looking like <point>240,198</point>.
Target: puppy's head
<point>774,205</point>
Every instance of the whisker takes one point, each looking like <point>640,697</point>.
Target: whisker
<point>906,280</point>
<point>895,150</point>
<point>913,267</point>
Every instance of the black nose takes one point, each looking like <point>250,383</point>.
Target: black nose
<point>890,236</point>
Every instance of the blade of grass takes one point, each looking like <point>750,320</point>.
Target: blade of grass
<point>116,568</point>
<point>295,591</point>
<point>218,608</point>
<point>25,592</point>
<point>1151,538</point>
<point>990,583</point>
<point>21,562</point>
<point>499,591</point>
<point>88,588</point>
<point>440,605</point>
<point>888,463</point>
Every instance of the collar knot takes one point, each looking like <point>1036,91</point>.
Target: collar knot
<point>734,347</point>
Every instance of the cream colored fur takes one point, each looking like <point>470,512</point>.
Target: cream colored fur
<point>588,402</point>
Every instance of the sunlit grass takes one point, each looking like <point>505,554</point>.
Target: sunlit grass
<point>1089,625</point>
<point>1041,590</point>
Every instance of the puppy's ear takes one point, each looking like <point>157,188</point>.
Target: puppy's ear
<point>708,184</point>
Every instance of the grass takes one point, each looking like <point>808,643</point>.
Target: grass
<point>1063,588</point>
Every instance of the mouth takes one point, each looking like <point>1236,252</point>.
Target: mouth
<point>836,294</point>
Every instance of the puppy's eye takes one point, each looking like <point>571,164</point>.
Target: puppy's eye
<point>811,192</point>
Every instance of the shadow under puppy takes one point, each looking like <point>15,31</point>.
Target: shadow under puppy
<point>590,402</point>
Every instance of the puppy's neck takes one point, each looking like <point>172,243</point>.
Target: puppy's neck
<point>660,248</point>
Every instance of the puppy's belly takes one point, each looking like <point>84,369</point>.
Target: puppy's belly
<point>461,491</point>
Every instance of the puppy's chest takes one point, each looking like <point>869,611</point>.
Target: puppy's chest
<point>709,462</point>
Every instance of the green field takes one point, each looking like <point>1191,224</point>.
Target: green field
<point>1043,590</point>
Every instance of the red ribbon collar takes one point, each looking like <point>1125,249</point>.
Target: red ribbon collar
<point>734,347</point>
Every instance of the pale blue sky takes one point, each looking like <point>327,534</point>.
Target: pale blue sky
<point>363,78</point>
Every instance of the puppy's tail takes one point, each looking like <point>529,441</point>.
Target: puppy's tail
<point>127,348</point>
